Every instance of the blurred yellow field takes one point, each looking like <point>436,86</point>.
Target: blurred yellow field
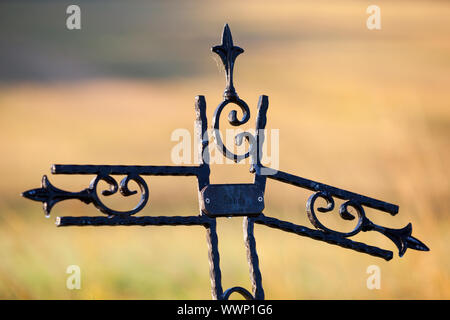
<point>363,110</point>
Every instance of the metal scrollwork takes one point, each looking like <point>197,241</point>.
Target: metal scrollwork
<point>234,121</point>
<point>343,212</point>
<point>400,237</point>
<point>227,199</point>
<point>124,190</point>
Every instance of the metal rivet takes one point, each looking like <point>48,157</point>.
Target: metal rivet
<point>260,199</point>
<point>207,200</point>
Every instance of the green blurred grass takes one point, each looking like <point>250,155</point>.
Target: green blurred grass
<point>365,111</point>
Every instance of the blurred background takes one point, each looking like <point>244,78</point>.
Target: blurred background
<point>367,111</point>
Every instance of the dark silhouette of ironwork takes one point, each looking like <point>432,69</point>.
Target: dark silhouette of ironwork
<point>219,200</point>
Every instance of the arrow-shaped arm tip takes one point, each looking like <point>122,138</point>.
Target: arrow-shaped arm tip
<point>42,194</point>
<point>402,238</point>
<point>409,241</point>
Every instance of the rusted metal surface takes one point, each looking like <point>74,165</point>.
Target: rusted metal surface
<point>226,200</point>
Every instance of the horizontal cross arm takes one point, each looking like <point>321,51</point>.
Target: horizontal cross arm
<point>333,191</point>
<point>323,236</point>
<point>133,221</point>
<point>125,170</point>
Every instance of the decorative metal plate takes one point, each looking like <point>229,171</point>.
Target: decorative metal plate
<point>227,200</point>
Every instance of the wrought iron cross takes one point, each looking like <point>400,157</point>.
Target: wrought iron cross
<point>226,200</point>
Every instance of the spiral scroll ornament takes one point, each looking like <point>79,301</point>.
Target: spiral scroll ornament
<point>124,191</point>
<point>343,212</point>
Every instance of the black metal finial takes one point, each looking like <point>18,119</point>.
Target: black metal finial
<point>228,53</point>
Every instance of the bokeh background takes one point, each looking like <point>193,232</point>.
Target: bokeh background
<point>366,111</point>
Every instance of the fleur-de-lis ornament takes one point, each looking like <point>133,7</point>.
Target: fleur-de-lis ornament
<point>228,53</point>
